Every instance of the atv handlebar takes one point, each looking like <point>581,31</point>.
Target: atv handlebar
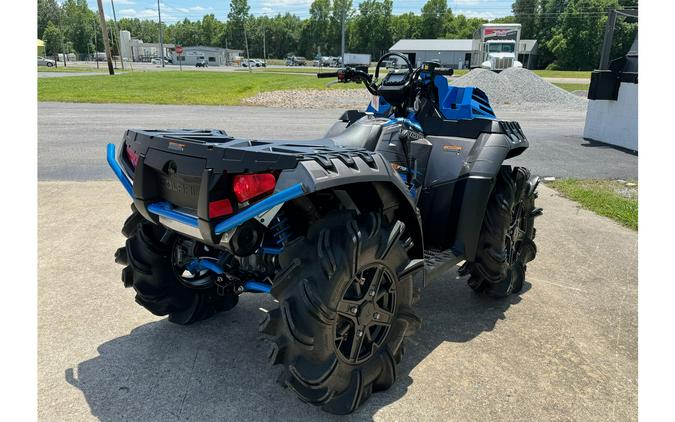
<point>327,75</point>
<point>350,74</point>
<point>445,71</point>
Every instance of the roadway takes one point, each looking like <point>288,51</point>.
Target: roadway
<point>72,137</point>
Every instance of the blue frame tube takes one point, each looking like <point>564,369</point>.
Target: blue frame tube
<point>260,207</point>
<point>256,286</point>
<point>249,286</point>
<point>165,209</point>
<point>115,166</point>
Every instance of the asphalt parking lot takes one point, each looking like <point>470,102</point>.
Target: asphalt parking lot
<point>72,137</point>
<point>563,350</point>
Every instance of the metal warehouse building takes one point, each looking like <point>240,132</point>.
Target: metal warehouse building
<point>454,53</point>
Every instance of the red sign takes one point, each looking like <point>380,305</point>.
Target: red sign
<point>179,49</point>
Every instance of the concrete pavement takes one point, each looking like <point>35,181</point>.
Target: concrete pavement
<point>565,349</point>
<point>72,137</point>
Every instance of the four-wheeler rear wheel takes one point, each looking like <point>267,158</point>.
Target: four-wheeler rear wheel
<point>150,268</point>
<point>345,292</point>
<point>506,242</point>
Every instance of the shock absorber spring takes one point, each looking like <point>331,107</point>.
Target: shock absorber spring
<point>281,230</point>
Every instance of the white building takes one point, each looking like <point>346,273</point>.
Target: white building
<point>214,56</point>
<point>139,51</point>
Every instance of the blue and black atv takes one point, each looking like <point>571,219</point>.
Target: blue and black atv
<point>342,231</point>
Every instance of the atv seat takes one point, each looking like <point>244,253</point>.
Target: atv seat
<point>361,134</point>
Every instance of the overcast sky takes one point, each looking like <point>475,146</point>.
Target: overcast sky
<point>173,10</point>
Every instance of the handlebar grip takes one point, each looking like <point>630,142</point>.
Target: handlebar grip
<point>327,75</point>
<point>445,71</point>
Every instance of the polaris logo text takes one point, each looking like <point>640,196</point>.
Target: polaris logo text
<point>182,188</point>
<point>176,146</point>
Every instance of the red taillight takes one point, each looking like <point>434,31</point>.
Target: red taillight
<point>247,186</point>
<point>131,156</point>
<point>220,208</point>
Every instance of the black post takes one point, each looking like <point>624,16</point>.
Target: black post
<point>607,42</point>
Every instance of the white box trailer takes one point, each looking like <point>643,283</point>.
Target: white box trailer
<point>496,46</point>
<point>353,59</point>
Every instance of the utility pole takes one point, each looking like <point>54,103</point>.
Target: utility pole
<point>117,32</point>
<point>607,42</point>
<point>106,41</point>
<point>112,37</point>
<point>264,49</point>
<point>248,58</point>
<point>161,36</point>
<point>63,45</point>
<point>95,47</point>
<point>342,41</point>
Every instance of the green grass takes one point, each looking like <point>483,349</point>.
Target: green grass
<point>609,198</point>
<point>61,68</point>
<point>187,87</point>
<point>563,73</point>
<point>573,87</point>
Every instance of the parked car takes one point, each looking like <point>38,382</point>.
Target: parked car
<point>295,61</point>
<point>45,62</point>
<point>251,63</point>
<point>202,63</point>
<point>259,63</point>
<point>157,61</point>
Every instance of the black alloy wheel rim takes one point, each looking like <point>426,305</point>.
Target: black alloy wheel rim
<point>515,235</point>
<point>197,279</point>
<point>365,314</point>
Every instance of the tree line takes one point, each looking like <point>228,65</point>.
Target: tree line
<point>569,32</point>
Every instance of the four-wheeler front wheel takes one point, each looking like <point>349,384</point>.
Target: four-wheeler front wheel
<point>345,292</point>
<point>506,242</point>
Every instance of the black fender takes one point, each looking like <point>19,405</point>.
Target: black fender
<point>477,182</point>
<point>362,181</point>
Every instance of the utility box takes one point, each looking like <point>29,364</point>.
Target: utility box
<point>612,114</point>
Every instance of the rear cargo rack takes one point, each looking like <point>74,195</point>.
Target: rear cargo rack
<point>167,210</point>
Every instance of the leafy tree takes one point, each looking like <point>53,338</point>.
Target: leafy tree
<point>319,26</point>
<point>237,17</point>
<point>405,26</point>
<point>370,30</point>
<point>52,38</point>
<point>283,35</point>
<point>435,17</point>
<point>526,13</point>
<point>47,11</point>
<point>145,30</point>
<point>211,30</point>
<point>342,9</point>
<point>79,23</point>
<point>577,38</point>
<point>462,28</point>
<point>505,19</point>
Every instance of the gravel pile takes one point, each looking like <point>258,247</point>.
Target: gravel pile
<point>522,87</point>
<point>513,87</point>
<point>312,98</point>
<point>534,89</point>
<point>497,88</point>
